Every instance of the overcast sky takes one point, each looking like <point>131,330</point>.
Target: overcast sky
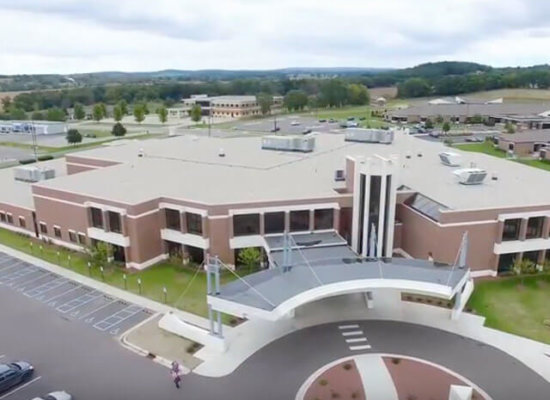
<point>69,36</point>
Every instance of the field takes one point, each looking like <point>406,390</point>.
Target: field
<point>515,305</point>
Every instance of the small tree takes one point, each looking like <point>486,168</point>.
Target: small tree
<point>265,100</point>
<point>123,106</point>
<point>429,124</point>
<point>6,103</point>
<point>38,116</point>
<point>99,254</point>
<point>509,128</point>
<point>79,112</point>
<point>118,129</point>
<point>74,136</point>
<point>439,119</point>
<point>250,257</point>
<point>56,114</point>
<point>139,113</point>
<point>98,112</point>
<point>196,113</point>
<point>117,113</point>
<point>446,127</point>
<point>523,267</point>
<point>163,114</point>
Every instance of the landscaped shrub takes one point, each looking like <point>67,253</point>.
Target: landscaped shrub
<point>27,161</point>
<point>45,157</point>
<point>395,360</point>
<point>347,366</point>
<point>323,382</point>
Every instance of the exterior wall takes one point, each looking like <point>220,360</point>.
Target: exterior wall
<point>145,240</point>
<point>420,236</point>
<point>77,168</point>
<point>68,216</point>
<point>17,212</point>
<point>520,148</point>
<point>397,235</point>
<point>220,231</point>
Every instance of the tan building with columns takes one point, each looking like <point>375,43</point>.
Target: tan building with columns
<point>196,196</point>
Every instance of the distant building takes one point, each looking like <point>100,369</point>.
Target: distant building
<point>525,143</point>
<point>39,127</point>
<point>223,106</point>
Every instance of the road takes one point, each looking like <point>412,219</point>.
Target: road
<point>91,365</point>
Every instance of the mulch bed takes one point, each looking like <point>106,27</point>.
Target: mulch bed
<point>341,381</point>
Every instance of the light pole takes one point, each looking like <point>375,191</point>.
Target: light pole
<point>102,274</point>
<point>139,285</point>
<point>125,281</point>
<point>165,293</point>
<point>89,269</point>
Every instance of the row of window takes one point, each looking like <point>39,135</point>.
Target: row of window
<point>506,261</point>
<point>74,237</point>
<point>274,222</point>
<point>193,222</point>
<point>113,220</point>
<point>512,228</point>
<point>7,218</point>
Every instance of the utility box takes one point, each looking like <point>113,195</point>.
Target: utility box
<point>289,143</point>
<point>369,135</point>
<point>33,173</point>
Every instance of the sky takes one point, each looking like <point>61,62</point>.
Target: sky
<point>73,36</point>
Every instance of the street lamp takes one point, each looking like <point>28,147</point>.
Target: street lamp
<point>139,285</point>
<point>125,281</point>
<point>102,275</point>
<point>89,269</point>
<point>165,292</point>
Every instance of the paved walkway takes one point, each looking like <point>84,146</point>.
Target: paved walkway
<point>377,381</point>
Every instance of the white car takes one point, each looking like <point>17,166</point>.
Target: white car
<point>59,395</point>
<point>295,123</point>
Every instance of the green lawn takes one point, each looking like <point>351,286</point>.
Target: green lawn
<point>175,277</point>
<point>488,148</point>
<point>342,113</point>
<point>515,307</point>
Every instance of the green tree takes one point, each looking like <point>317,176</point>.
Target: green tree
<point>446,127</point>
<point>99,254</point>
<point>333,93</point>
<point>163,114</point>
<point>509,128</point>
<point>17,113</point>
<point>523,267</point>
<point>38,116</point>
<point>74,136</point>
<point>439,119</point>
<point>265,100</point>
<point>358,94</point>
<point>79,112</point>
<point>414,87</point>
<point>117,113</point>
<point>429,124</point>
<point>98,112</point>
<point>295,100</point>
<point>196,113</point>
<point>139,113</point>
<point>123,106</point>
<point>6,103</point>
<point>250,257</point>
<point>56,114</point>
<point>118,129</point>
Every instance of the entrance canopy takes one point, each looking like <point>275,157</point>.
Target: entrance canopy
<point>319,271</point>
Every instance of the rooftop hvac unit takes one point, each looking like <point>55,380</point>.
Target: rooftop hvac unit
<point>33,173</point>
<point>450,159</point>
<point>289,143</point>
<point>369,136</point>
<point>470,176</point>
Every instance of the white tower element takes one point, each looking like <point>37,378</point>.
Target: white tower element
<point>374,198</point>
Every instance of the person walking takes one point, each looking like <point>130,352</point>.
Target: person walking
<point>176,373</point>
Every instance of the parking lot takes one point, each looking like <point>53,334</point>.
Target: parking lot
<point>73,301</point>
<point>288,124</point>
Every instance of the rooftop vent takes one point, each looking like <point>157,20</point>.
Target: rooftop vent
<point>33,173</point>
<point>289,143</point>
<point>141,152</point>
<point>470,176</point>
<point>369,135</point>
<point>221,152</point>
<point>450,159</point>
<point>339,175</point>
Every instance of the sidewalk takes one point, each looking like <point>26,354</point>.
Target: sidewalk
<point>107,289</point>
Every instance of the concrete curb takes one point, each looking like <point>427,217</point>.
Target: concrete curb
<point>143,352</point>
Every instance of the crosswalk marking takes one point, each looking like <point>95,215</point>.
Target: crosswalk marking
<point>352,333</point>
<point>353,326</point>
<point>363,347</point>
<point>356,340</point>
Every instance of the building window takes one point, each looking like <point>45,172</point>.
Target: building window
<point>194,223</point>
<point>511,229</point>
<point>57,231</point>
<point>534,227</point>
<point>97,217</point>
<point>114,222</point>
<point>2,217</point>
<point>274,222</point>
<point>172,219</point>
<point>82,239</point>
<point>246,224</point>
<point>532,256</point>
<point>72,236</point>
<point>22,223</point>
<point>10,218</point>
<point>324,219</point>
<point>299,220</point>
<point>43,228</point>
<point>506,262</point>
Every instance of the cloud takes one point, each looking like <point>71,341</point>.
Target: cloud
<point>82,35</point>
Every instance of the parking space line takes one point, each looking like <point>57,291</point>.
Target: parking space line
<point>62,294</point>
<point>18,388</point>
<point>16,275</point>
<point>78,302</point>
<point>97,309</point>
<point>42,275</point>
<point>105,324</point>
<point>11,267</point>
<point>46,287</point>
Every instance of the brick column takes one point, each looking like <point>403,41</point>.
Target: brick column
<point>204,226</point>
<point>500,231</point>
<point>262,224</point>
<point>183,222</point>
<point>106,221</point>
<point>523,229</point>
<point>546,228</point>
<point>311,220</point>
<point>336,219</point>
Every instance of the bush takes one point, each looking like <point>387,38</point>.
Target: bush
<point>395,360</point>
<point>118,130</point>
<point>27,161</point>
<point>323,382</point>
<point>347,366</point>
<point>45,157</point>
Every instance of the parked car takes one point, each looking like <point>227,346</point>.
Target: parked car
<point>331,121</point>
<point>14,373</point>
<point>322,120</point>
<point>351,118</point>
<point>295,123</point>
<point>474,139</point>
<point>435,134</point>
<point>362,118</point>
<point>275,129</point>
<point>306,131</point>
<point>59,395</point>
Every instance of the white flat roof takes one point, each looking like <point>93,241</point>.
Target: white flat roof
<point>190,168</point>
